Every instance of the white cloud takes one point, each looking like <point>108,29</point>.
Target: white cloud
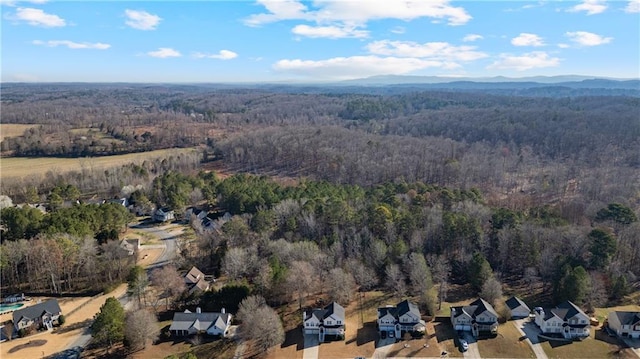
<point>591,7</point>
<point>398,30</point>
<point>531,60</point>
<point>37,17</point>
<point>358,12</point>
<point>72,45</point>
<point>472,37</point>
<point>357,66</point>
<point>164,52</point>
<point>332,32</point>
<point>526,39</point>
<point>633,6</point>
<point>431,50</point>
<point>15,2</point>
<point>564,46</point>
<point>584,38</point>
<point>221,55</point>
<point>141,20</point>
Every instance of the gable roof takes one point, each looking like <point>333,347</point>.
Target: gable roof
<point>36,311</point>
<point>628,318</point>
<point>515,302</point>
<point>382,311</point>
<point>323,313</point>
<point>198,321</point>
<point>474,309</point>
<point>567,310</point>
<point>406,306</point>
<point>193,276</point>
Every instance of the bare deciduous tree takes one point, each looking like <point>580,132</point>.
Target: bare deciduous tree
<point>168,281</point>
<point>141,327</point>
<point>491,290</point>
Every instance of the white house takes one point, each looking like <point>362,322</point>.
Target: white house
<point>41,315</point>
<point>404,317</point>
<point>625,324</point>
<point>518,308</point>
<point>566,319</point>
<point>163,214</point>
<point>328,321</point>
<point>188,323</point>
<point>477,317</point>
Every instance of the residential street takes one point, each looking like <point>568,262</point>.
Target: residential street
<point>525,327</point>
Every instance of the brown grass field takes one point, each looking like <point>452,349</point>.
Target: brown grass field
<point>13,130</point>
<point>21,167</point>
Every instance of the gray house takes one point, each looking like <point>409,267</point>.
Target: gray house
<point>211,323</point>
<point>41,315</point>
<point>323,322</point>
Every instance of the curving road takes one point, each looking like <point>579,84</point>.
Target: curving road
<point>168,255</point>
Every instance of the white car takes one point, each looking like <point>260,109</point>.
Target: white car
<point>464,346</point>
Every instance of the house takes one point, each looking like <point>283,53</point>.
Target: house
<point>189,323</point>
<point>566,319</point>
<point>164,214</point>
<point>326,323</point>
<point>625,324</point>
<point>121,201</point>
<point>405,317</point>
<point>477,317</point>
<point>195,281</point>
<point>199,214</point>
<point>41,315</point>
<point>130,245</point>
<point>518,308</point>
<point>14,298</point>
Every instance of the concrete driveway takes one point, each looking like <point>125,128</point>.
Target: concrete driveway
<point>530,330</point>
<point>473,351</point>
<point>383,346</point>
<point>634,344</point>
<point>311,347</point>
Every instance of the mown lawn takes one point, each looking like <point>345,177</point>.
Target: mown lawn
<point>506,345</point>
<point>598,345</point>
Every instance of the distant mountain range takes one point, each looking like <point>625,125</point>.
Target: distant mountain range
<point>542,80</point>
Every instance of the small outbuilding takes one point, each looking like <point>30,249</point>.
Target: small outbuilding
<point>518,308</point>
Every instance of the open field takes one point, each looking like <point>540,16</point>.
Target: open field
<point>13,130</point>
<point>20,167</point>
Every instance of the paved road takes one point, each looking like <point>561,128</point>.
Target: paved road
<point>169,240</point>
<point>311,347</point>
<point>383,347</point>
<point>167,256</point>
<point>530,330</point>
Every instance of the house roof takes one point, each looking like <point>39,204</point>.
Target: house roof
<point>515,302</point>
<point>567,310</point>
<point>382,311</point>
<point>193,276</point>
<point>474,309</point>
<point>36,311</point>
<point>199,321</point>
<point>628,318</point>
<point>406,306</point>
<point>322,313</point>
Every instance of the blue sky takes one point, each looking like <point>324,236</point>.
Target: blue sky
<point>322,40</point>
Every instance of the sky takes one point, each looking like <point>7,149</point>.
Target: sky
<point>315,41</point>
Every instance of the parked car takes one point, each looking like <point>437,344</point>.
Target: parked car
<point>464,346</point>
<point>392,335</point>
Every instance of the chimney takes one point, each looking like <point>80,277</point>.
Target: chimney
<point>223,311</point>
<point>198,310</point>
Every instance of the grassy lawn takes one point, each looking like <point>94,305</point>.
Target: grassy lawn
<point>506,345</point>
<point>444,335</point>
<point>19,167</point>
<point>598,345</point>
<point>13,130</point>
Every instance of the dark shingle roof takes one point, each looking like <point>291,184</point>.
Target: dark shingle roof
<point>322,314</point>
<point>515,302</point>
<point>628,318</point>
<point>406,306</point>
<point>567,310</point>
<point>474,309</point>
<point>382,311</point>
<point>35,311</point>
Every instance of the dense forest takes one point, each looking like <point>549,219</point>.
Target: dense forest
<point>396,187</point>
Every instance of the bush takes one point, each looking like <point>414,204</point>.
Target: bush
<point>22,333</point>
<point>61,319</point>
